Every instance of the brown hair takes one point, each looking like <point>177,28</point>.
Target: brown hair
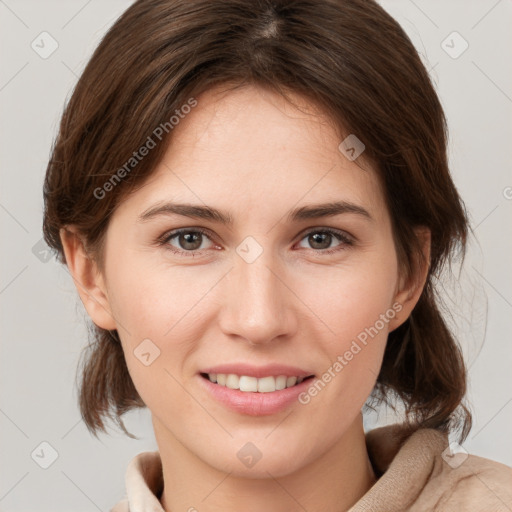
<point>348,56</point>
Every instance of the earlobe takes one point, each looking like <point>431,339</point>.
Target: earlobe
<point>88,280</point>
<point>409,293</point>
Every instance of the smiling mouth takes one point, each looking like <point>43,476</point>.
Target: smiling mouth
<point>250,384</point>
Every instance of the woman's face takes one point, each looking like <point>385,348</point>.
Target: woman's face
<point>275,292</point>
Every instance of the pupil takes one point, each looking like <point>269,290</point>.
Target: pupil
<point>317,238</point>
<point>190,238</point>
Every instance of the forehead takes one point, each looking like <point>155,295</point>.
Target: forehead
<point>250,149</point>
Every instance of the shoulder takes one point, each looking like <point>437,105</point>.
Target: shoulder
<point>457,480</point>
<point>420,472</point>
<point>467,482</point>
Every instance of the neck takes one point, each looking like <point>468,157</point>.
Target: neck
<point>332,483</point>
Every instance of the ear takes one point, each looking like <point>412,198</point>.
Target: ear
<point>409,291</point>
<point>87,278</point>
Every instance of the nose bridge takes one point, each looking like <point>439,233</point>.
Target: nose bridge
<point>259,309</point>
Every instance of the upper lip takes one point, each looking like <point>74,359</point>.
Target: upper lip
<point>257,371</point>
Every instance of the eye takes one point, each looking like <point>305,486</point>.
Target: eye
<point>187,241</point>
<point>321,239</point>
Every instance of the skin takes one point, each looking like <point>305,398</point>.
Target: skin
<point>252,154</point>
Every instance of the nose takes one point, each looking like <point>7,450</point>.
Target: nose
<point>259,306</point>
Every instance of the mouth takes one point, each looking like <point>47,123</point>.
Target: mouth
<point>250,384</point>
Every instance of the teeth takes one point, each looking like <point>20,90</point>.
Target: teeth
<point>252,384</point>
<point>247,383</point>
<point>280,382</point>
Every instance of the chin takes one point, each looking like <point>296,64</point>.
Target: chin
<point>256,457</point>
<point>276,466</point>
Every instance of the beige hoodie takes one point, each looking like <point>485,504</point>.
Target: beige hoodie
<point>418,474</point>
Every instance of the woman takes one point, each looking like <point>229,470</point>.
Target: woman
<point>254,201</point>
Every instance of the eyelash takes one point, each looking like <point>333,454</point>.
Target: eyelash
<point>340,235</point>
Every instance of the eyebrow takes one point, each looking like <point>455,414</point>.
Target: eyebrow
<point>313,211</point>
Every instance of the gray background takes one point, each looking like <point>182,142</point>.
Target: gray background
<point>43,321</point>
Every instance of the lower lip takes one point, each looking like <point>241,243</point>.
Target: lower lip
<point>253,403</point>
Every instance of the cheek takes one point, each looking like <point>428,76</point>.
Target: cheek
<point>353,298</point>
<point>355,309</point>
<point>156,301</point>
<point>160,313</point>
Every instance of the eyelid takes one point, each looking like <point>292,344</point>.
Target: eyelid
<point>165,237</point>
<point>326,229</point>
